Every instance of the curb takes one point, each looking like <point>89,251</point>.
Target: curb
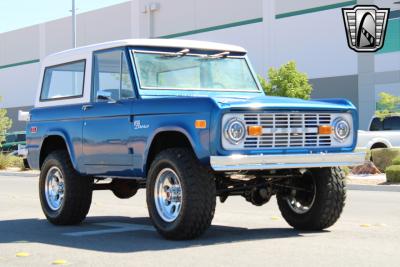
<point>19,174</point>
<point>382,188</point>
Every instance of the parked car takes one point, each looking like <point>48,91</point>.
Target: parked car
<point>383,133</point>
<point>188,121</point>
<point>12,141</point>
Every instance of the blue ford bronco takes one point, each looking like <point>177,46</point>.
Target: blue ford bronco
<point>188,121</point>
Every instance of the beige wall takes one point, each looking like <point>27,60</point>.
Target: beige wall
<point>125,20</point>
<point>20,45</point>
<point>35,42</point>
<point>115,23</point>
<point>175,16</point>
<point>285,6</point>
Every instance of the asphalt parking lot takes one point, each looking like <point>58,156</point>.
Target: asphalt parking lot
<point>119,233</point>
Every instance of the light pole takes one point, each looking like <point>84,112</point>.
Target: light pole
<point>73,24</point>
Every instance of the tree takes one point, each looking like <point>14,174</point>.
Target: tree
<point>387,104</point>
<point>5,123</point>
<point>287,81</point>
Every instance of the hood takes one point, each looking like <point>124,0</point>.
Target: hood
<point>281,103</point>
<point>199,103</point>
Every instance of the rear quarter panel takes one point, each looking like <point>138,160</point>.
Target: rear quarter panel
<point>64,121</point>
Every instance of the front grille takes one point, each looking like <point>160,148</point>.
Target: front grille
<point>288,130</point>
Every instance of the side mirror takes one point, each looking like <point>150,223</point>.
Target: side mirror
<point>105,96</point>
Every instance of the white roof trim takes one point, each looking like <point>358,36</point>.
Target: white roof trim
<point>179,43</point>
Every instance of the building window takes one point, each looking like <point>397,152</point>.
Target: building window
<point>63,81</point>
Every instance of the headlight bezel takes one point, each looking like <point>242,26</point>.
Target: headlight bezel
<point>340,124</point>
<point>235,121</point>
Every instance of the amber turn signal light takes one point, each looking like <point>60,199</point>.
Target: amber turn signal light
<point>325,129</point>
<point>254,130</point>
<point>200,124</point>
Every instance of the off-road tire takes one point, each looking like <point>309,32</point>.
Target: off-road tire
<point>199,195</point>
<point>328,205</point>
<point>77,191</point>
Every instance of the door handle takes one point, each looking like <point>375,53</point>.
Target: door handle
<point>86,107</point>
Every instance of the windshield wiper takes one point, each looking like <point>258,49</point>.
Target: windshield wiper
<point>181,53</point>
<point>185,51</point>
<point>216,56</point>
<point>222,54</point>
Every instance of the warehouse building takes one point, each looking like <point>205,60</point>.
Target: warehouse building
<point>273,31</point>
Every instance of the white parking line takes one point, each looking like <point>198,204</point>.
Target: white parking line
<point>116,227</point>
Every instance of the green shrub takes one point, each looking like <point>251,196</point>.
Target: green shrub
<point>287,81</point>
<point>11,161</point>
<point>16,162</point>
<point>383,157</point>
<point>368,155</point>
<point>346,170</point>
<point>5,123</point>
<point>4,161</point>
<point>393,174</point>
<point>396,161</point>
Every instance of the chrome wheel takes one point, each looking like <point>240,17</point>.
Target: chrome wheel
<point>301,200</point>
<point>54,188</point>
<point>168,195</point>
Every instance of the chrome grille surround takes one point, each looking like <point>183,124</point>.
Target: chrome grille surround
<point>288,130</point>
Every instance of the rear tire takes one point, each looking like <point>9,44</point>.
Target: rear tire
<point>65,196</point>
<point>181,195</point>
<point>324,207</point>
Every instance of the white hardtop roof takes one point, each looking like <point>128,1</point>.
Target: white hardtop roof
<point>83,51</point>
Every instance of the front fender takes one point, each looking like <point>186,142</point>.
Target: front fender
<point>184,124</point>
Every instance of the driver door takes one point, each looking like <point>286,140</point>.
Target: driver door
<point>107,119</point>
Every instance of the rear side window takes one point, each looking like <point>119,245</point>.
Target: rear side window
<point>391,124</point>
<point>63,81</point>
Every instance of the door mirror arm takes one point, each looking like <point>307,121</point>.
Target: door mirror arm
<point>105,96</point>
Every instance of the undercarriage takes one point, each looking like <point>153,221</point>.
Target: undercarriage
<point>258,187</point>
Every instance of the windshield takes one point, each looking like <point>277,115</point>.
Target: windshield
<point>193,72</point>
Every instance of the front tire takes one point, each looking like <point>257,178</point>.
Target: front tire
<point>320,206</point>
<point>181,195</point>
<point>65,196</point>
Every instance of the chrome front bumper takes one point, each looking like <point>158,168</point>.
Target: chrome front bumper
<point>287,161</point>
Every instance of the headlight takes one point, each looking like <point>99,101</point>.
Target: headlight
<point>341,128</point>
<point>235,131</point>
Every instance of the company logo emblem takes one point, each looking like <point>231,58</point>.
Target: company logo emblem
<point>365,27</point>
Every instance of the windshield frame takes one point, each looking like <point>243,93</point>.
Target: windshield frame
<point>134,51</point>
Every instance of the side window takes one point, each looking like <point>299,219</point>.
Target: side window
<point>63,81</point>
<point>111,75</point>
<point>391,124</point>
<point>376,125</point>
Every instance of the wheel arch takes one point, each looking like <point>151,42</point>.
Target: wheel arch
<point>53,141</point>
<point>379,143</point>
<point>167,138</point>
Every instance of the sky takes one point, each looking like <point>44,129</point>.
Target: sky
<point>15,14</point>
